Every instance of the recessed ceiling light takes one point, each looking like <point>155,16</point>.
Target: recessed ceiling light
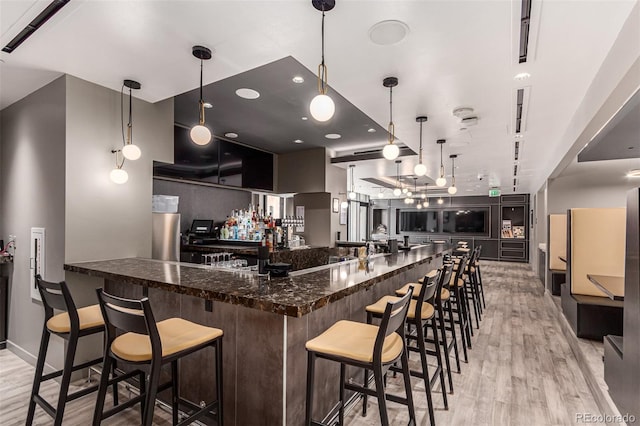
<point>371,130</point>
<point>297,79</point>
<point>208,105</point>
<point>633,173</point>
<point>333,136</point>
<point>522,76</point>
<point>305,118</point>
<point>248,93</point>
<point>388,32</point>
<point>462,112</point>
<point>231,135</point>
<point>298,141</point>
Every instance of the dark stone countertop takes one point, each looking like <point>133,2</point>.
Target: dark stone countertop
<point>297,295</point>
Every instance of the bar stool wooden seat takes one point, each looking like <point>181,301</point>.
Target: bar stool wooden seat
<point>367,346</point>
<point>147,344</point>
<point>421,314</point>
<point>71,324</point>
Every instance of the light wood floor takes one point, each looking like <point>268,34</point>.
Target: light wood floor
<point>521,371</point>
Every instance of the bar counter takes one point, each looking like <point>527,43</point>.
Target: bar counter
<point>266,323</point>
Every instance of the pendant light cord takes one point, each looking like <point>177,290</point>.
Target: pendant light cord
<point>420,157</point>
<point>124,142</point>
<point>392,127</point>
<point>453,171</point>
<point>129,124</point>
<point>322,68</point>
<point>201,103</point>
<point>441,164</point>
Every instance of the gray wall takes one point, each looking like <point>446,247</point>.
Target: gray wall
<point>302,171</point>
<point>570,192</point>
<point>32,187</point>
<point>54,173</point>
<point>317,216</point>
<point>105,220</point>
<point>336,184</point>
<point>202,202</point>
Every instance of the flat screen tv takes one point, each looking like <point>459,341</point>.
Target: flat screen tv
<point>465,221</point>
<point>424,221</point>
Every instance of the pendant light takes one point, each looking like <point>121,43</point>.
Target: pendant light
<point>352,193</point>
<point>425,203</point>
<point>322,107</point>
<point>381,193</point>
<point>441,181</point>
<point>118,174</point>
<point>397,191</point>
<point>200,134</point>
<point>420,169</point>
<point>440,200</point>
<point>130,151</point>
<point>391,151</point>
<point>452,189</point>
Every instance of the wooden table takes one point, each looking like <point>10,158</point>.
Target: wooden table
<point>612,286</point>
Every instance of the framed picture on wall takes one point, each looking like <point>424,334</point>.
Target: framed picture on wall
<point>336,205</point>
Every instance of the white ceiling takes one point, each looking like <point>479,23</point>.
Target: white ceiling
<point>458,53</point>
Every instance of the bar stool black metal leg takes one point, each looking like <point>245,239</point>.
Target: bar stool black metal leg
<point>454,336</point>
<point>175,397</point>
<point>115,384</point>
<point>102,390</point>
<point>143,393</point>
<point>152,391</point>
<point>434,328</point>
<point>425,372</point>
<point>311,360</point>
<point>366,376</point>
<point>407,388</point>
<point>219,374</point>
<point>382,402</point>
<point>341,409</point>
<point>446,346</point>
<point>35,390</point>
<point>66,378</point>
<point>484,304</point>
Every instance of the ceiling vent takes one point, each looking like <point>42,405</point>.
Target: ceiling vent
<point>521,110</point>
<point>53,8</point>
<point>525,24</point>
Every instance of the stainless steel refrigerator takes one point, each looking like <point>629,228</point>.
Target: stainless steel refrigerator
<point>165,239</point>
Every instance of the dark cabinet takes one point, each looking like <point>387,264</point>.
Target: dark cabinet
<point>514,228</point>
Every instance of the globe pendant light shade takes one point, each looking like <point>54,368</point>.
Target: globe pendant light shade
<point>397,192</point>
<point>119,176</point>
<point>380,194</point>
<point>131,152</point>
<point>420,169</point>
<point>200,135</point>
<point>391,151</point>
<point>452,190</point>
<point>440,200</point>
<point>344,204</point>
<point>426,203</point>
<point>322,108</point>
<point>405,190</point>
<point>352,195</point>
<point>419,206</point>
<point>441,181</point>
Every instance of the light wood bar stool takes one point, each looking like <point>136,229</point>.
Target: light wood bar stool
<point>71,324</point>
<point>421,314</point>
<point>366,346</point>
<point>146,343</point>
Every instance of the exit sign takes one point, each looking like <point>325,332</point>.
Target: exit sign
<point>494,192</point>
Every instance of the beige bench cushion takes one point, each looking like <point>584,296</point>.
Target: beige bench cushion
<point>355,340</point>
<point>176,335</point>
<point>381,305</point>
<point>89,316</point>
